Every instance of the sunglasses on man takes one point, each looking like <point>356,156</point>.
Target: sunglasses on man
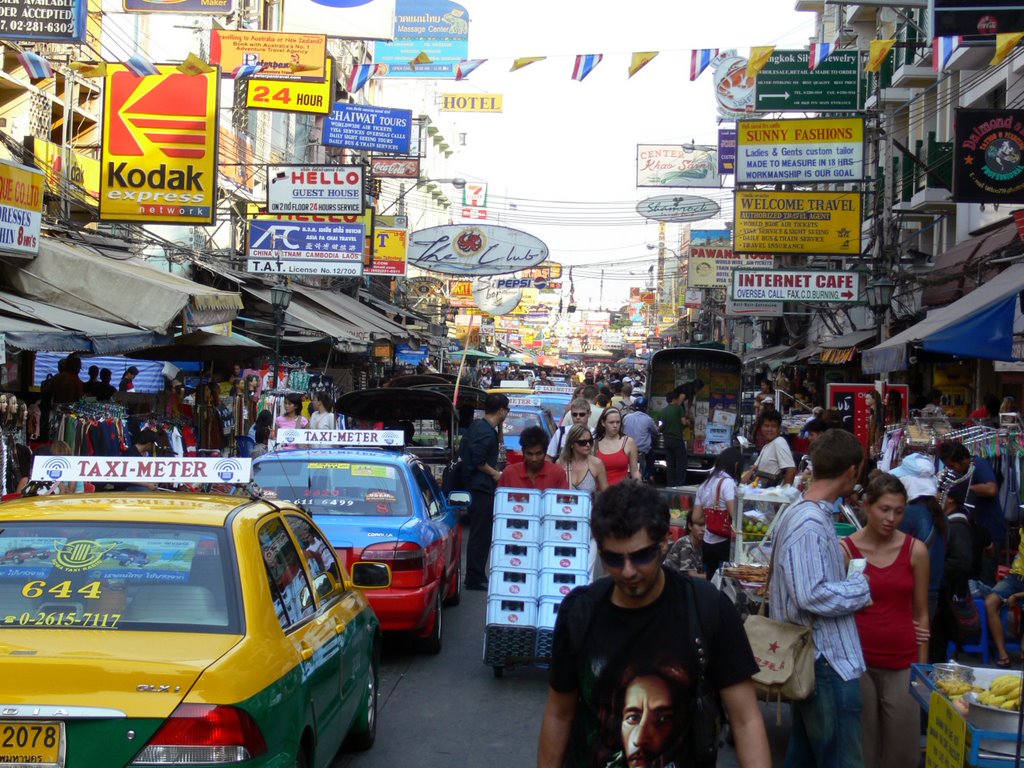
<point>638,558</point>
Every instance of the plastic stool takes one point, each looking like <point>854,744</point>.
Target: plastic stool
<point>985,640</point>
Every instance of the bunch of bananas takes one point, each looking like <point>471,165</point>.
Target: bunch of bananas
<point>1003,693</point>
<point>954,688</point>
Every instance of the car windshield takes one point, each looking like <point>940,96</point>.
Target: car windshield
<point>115,577</point>
<point>335,487</point>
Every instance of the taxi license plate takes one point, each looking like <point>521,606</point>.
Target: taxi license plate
<point>31,743</point>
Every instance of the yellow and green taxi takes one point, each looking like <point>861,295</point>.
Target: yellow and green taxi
<point>180,629</point>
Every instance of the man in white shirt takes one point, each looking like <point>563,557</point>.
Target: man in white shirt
<point>775,458</point>
<point>577,413</point>
<point>590,395</point>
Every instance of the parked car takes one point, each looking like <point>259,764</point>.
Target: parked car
<point>243,641</point>
<point>380,505</point>
<point>21,554</point>
<point>126,556</point>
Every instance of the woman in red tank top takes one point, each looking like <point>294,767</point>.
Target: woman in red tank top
<point>617,451</point>
<point>894,628</point>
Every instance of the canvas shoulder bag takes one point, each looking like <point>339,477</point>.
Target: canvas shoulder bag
<point>784,653</point>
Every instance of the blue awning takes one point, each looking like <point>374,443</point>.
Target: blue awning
<point>980,325</point>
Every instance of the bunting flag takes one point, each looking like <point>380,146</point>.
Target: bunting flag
<point>876,55</point>
<point>465,68</point>
<point>360,76</point>
<point>640,60</point>
<point>246,70</point>
<point>1005,42</point>
<point>421,58</point>
<point>585,64</point>
<point>89,68</point>
<point>295,67</point>
<point>140,66</point>
<point>194,65</point>
<point>700,58</point>
<point>525,61</point>
<point>942,50</point>
<point>35,65</point>
<point>820,52</point>
<point>759,56</point>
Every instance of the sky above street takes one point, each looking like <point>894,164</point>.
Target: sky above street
<point>562,152</point>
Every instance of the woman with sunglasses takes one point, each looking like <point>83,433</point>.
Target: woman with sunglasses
<point>616,451</point>
<point>583,470</point>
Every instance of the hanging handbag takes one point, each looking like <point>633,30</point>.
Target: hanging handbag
<point>717,518</point>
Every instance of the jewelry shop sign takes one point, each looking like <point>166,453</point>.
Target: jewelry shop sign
<point>797,222</point>
<point>820,150</point>
<point>315,189</point>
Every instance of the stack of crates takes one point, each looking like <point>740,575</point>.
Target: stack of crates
<point>564,556</point>
<point>511,629</point>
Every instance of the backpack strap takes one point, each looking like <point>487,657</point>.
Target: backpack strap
<point>582,614</point>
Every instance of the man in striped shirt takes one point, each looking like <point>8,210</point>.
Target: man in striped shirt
<point>809,586</point>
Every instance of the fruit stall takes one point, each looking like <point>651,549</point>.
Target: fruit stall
<point>973,713</point>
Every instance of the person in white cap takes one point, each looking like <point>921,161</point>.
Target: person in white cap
<point>925,520</point>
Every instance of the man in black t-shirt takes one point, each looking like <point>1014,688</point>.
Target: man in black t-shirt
<point>624,664</point>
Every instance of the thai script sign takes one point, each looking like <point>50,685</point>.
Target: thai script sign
<point>305,248</point>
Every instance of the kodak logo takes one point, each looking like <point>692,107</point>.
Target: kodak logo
<point>189,178</point>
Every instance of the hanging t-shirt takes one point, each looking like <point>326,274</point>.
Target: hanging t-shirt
<point>647,653</point>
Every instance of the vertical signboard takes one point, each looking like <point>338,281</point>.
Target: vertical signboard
<point>21,209</point>
<point>61,21</point>
<point>159,144</point>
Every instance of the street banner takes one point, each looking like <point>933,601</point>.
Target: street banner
<point>315,189</point>
<point>60,21</point>
<point>988,156</point>
<point>159,161</point>
<point>797,222</point>
<point>819,150</point>
<point>21,208</point>
<point>292,95</point>
<point>676,165</point>
<point>364,126</point>
<point>129,469</point>
<point>280,55</point>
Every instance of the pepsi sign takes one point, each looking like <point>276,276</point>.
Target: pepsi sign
<point>515,282</point>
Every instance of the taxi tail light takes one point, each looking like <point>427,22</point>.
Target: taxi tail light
<point>201,734</point>
<point>406,558</point>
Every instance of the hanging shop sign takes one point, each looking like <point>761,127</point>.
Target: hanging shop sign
<point>676,165</point>
<point>395,168</point>
<point>470,102</point>
<point>367,219</point>
<point>806,285</point>
<point>752,308</point>
<point>437,28</point>
<point>315,189</point>
<point>361,19</point>
<point>493,297</point>
<point>236,158</point>
<point>389,252</point>
<point>678,208</point>
<point>474,195</point>
<point>62,21</point>
<point>787,83</point>
<point>460,293</point>
<point>281,55</point>
<point>474,250</point>
<point>177,6</point>
<point>797,222</point>
<point>734,91</point>
<point>713,267</point>
<point>82,171</point>
<point>819,150</point>
<point>364,126</point>
<point>159,162</point>
<point>21,208</point>
<point>988,156</point>
<point>305,248</point>
<point>976,17</point>
<point>292,95</point>
<point>726,150</point>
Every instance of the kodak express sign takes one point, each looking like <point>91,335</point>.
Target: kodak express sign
<point>159,161</point>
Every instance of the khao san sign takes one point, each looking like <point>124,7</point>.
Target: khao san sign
<point>474,250</point>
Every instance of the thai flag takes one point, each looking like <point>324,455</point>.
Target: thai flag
<point>360,76</point>
<point>820,52</point>
<point>464,68</point>
<point>700,58</point>
<point>140,66</point>
<point>585,64</point>
<point>942,50</point>
<point>246,70</point>
<point>35,65</point>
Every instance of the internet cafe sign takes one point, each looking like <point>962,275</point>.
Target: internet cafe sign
<point>474,250</point>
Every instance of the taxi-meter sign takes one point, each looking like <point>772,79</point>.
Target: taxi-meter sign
<point>129,469</point>
<point>817,286</point>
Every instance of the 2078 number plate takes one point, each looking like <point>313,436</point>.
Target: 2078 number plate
<point>31,743</point>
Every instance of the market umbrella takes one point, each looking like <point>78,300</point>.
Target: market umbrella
<point>472,354</point>
<point>503,360</point>
<point>549,361</point>
<point>524,359</point>
<point>202,347</point>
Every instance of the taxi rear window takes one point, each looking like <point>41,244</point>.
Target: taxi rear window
<point>115,577</point>
<point>335,487</point>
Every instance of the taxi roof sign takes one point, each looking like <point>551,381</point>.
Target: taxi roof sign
<point>135,469</point>
<point>353,438</point>
<point>525,402</point>
<point>551,389</point>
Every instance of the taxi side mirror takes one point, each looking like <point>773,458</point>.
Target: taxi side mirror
<point>366,575</point>
<point>459,498</point>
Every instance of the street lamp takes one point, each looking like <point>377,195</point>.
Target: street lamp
<point>458,183</point>
<point>880,289</point>
<point>280,299</point>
